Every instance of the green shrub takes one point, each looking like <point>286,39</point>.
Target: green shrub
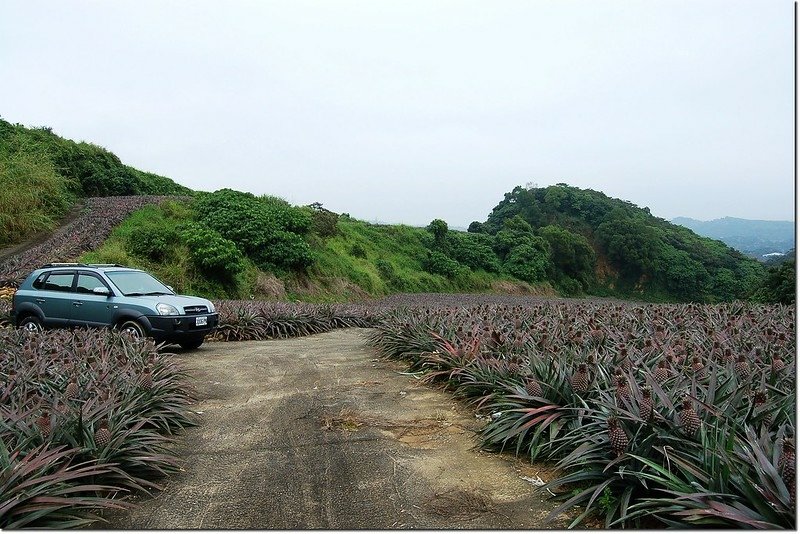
<point>474,251</point>
<point>385,269</point>
<point>211,252</point>
<point>285,249</point>
<point>527,263</point>
<point>438,263</point>
<point>152,242</point>
<point>267,229</point>
<point>324,223</point>
<point>571,254</point>
<point>358,251</point>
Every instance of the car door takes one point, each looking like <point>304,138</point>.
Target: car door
<point>55,298</point>
<point>89,308</point>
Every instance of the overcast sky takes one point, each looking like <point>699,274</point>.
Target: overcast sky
<point>405,111</point>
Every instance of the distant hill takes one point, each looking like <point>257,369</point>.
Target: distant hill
<point>752,237</point>
<point>604,245</point>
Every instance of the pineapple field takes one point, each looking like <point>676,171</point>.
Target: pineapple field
<point>85,418</point>
<point>654,415</point>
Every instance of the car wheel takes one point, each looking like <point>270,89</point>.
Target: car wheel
<point>31,324</point>
<point>132,328</point>
<point>191,344</point>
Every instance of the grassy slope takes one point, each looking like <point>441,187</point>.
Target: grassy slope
<point>363,260</point>
<point>176,269</point>
<point>384,259</point>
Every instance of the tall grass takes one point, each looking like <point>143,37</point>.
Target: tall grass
<point>385,259</point>
<point>33,196</point>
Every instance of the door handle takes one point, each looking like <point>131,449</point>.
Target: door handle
<point>40,300</point>
<point>77,303</point>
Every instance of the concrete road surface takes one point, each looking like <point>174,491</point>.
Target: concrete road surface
<point>318,433</point>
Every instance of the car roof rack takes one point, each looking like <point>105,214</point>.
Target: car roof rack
<point>81,265</point>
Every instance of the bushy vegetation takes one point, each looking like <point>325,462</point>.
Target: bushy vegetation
<point>44,174</point>
<point>167,241</point>
<point>34,196</point>
<point>84,419</point>
<point>268,230</point>
<point>779,285</point>
<point>215,255</point>
<point>578,241</point>
<point>655,415</point>
<point>385,259</point>
<point>642,255</point>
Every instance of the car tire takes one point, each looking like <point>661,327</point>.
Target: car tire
<point>191,344</point>
<point>132,328</point>
<point>31,324</point>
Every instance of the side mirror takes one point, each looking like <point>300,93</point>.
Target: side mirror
<point>101,291</point>
<point>171,288</point>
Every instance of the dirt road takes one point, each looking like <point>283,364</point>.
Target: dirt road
<point>316,432</point>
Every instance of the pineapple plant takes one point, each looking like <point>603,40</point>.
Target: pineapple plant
<point>146,379</point>
<point>697,367</point>
<point>787,466</point>
<point>102,435</point>
<point>532,387</point>
<point>662,372</point>
<point>44,423</point>
<point>690,421</point>
<point>71,391</point>
<point>742,368</point>
<point>617,437</point>
<point>580,379</point>
<point>646,404</point>
<point>727,355</point>
<point>623,391</point>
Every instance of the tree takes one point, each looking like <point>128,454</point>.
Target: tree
<point>570,253</point>
<point>516,231</point>
<point>439,230</point>
<point>475,227</point>
<point>778,285</point>
<point>527,262</point>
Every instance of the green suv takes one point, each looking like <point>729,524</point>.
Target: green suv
<point>130,300</point>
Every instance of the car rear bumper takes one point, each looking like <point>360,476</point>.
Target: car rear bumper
<point>177,328</point>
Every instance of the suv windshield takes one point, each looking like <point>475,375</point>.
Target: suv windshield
<point>133,283</point>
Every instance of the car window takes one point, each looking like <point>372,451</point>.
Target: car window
<point>59,282</point>
<point>132,283</point>
<point>39,282</point>
<point>87,282</point>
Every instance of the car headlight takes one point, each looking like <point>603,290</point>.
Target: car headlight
<point>211,308</point>
<point>166,309</point>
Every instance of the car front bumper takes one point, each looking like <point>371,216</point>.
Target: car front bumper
<point>179,327</point>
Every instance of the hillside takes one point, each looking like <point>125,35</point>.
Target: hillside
<point>581,242</point>
<point>231,244</point>
<point>752,237</point>
<point>44,175</point>
<point>610,246</point>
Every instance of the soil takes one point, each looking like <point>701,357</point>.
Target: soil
<point>317,432</point>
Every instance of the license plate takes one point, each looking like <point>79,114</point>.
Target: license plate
<point>201,321</point>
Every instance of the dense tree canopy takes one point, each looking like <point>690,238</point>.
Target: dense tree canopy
<point>640,252</point>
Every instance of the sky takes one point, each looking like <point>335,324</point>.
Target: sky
<point>405,111</point>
